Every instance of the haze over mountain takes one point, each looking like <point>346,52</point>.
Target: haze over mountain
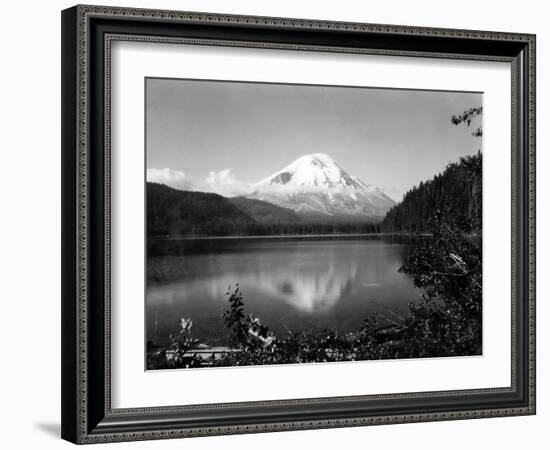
<point>315,185</point>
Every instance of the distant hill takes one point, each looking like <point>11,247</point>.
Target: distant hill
<point>454,194</point>
<point>174,212</point>
<point>265,212</point>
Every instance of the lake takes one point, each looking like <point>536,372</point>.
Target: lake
<point>290,283</point>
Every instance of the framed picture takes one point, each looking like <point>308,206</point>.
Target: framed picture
<point>281,224</point>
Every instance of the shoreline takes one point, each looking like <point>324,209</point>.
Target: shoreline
<point>283,236</point>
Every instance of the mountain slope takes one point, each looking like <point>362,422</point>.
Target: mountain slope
<point>264,212</point>
<point>174,212</point>
<point>316,185</point>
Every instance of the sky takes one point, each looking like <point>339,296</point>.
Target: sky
<point>223,136</point>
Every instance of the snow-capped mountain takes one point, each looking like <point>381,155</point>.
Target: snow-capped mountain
<point>316,184</point>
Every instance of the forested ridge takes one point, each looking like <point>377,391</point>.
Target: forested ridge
<point>264,212</point>
<point>174,212</point>
<point>454,195</point>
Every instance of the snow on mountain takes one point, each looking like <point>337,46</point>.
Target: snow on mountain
<point>316,184</point>
<point>310,172</point>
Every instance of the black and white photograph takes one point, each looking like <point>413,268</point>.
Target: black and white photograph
<point>293,223</point>
<point>275,225</point>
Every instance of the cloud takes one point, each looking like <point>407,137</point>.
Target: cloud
<point>174,178</point>
<point>222,178</point>
<point>221,182</point>
<point>224,182</point>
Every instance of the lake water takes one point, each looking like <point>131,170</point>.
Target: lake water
<point>290,283</point>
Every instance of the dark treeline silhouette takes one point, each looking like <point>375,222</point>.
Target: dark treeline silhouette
<point>304,228</point>
<point>454,196</point>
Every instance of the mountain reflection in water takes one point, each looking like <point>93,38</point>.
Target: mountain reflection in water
<point>291,284</point>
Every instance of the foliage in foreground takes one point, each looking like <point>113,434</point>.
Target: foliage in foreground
<point>446,322</point>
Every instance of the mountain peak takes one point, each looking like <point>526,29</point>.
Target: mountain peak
<point>315,183</point>
<point>312,172</point>
<point>314,158</point>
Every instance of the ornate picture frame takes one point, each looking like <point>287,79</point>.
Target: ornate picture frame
<point>88,33</point>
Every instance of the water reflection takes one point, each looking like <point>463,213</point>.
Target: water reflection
<point>310,288</point>
<point>290,284</point>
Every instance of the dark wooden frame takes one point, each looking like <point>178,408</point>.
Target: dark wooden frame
<point>87,32</point>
